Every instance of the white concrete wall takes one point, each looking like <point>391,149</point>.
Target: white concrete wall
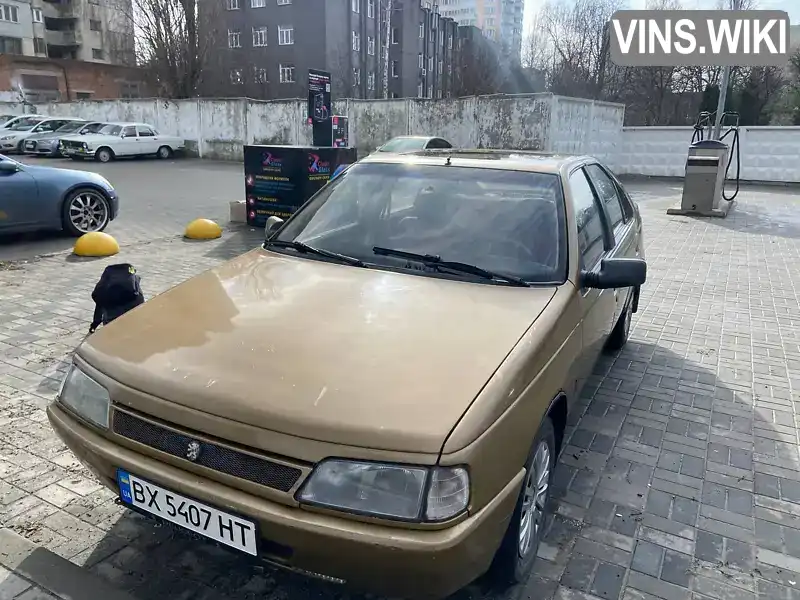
<point>217,128</point>
<point>767,153</point>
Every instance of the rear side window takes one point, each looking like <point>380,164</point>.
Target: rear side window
<point>438,143</point>
<point>587,217</point>
<point>129,132</point>
<point>608,193</point>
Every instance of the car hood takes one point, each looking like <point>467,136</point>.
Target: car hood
<point>15,134</point>
<point>68,176</point>
<point>361,357</point>
<point>93,138</point>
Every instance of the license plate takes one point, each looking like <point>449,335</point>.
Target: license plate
<point>31,145</point>
<point>190,514</point>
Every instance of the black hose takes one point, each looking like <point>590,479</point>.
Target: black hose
<point>734,143</point>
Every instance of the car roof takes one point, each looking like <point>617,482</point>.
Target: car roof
<point>128,123</point>
<point>512,160</point>
<point>414,137</point>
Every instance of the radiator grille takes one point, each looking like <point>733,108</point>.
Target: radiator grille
<point>212,456</point>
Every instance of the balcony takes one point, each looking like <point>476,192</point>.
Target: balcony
<point>59,10</point>
<point>62,38</point>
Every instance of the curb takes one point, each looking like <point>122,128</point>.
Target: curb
<point>49,571</point>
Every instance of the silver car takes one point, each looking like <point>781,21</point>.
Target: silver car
<point>49,144</point>
<point>13,140</point>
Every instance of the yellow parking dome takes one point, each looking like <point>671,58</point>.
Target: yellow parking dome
<point>96,243</point>
<point>203,229</point>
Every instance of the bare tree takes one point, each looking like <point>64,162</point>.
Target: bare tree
<point>174,40</point>
<point>479,71</point>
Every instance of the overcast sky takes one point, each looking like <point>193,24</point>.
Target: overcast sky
<point>790,6</point>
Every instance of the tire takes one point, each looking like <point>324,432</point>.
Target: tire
<point>21,147</point>
<point>512,565</point>
<point>619,335</point>
<point>104,155</point>
<point>85,210</point>
<point>164,152</point>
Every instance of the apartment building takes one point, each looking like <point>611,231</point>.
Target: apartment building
<point>268,46</point>
<point>87,30</point>
<point>500,20</point>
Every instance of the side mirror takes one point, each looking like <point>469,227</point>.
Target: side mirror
<point>616,273</point>
<point>273,224</point>
<point>8,167</point>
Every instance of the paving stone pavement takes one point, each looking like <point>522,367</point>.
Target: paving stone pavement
<point>680,479</point>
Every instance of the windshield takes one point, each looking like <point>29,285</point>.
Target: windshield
<point>26,123</point>
<point>92,128</point>
<point>111,130</point>
<point>506,221</point>
<point>403,145</point>
<point>70,127</point>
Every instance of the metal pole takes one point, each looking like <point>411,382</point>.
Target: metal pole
<point>723,86</point>
<point>723,95</point>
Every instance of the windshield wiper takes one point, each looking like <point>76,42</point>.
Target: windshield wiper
<point>436,262</point>
<point>306,249</point>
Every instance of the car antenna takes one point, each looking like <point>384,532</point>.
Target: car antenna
<point>447,161</point>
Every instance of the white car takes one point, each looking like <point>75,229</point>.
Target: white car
<point>8,121</point>
<point>117,140</point>
<point>12,139</point>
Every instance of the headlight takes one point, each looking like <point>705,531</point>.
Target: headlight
<point>85,146</point>
<point>85,396</point>
<point>7,137</point>
<point>384,490</point>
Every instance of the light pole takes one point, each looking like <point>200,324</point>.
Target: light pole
<point>723,87</point>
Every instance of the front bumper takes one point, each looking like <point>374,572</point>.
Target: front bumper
<point>9,146</point>
<point>376,558</point>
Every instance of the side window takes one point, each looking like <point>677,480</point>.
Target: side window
<point>608,193</point>
<point>145,132</point>
<point>438,143</point>
<point>587,217</point>
<point>627,203</point>
<point>129,131</point>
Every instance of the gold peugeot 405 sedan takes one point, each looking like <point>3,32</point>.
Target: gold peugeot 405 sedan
<point>377,396</point>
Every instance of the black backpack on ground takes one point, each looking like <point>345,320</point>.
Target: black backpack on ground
<point>117,292</point>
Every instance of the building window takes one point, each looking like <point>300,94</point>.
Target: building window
<point>430,64</point>
<point>395,35</point>
<point>441,37</point>
<point>95,25</point>
<point>441,67</point>
<point>395,70</point>
<point>286,74</point>
<point>450,42</point>
<point>258,3</point>
<point>232,4</point>
<point>97,54</point>
<point>36,14</point>
<point>83,95</point>
<point>356,41</point>
<point>371,9</point>
<point>285,36</point>
<point>259,36</point>
<point>356,5</point>
<point>260,75</point>
<point>356,76</point>
<point>421,30</point>
<point>371,81</point>
<point>419,90</point>
<point>370,45</point>
<point>439,94</point>
<point>421,61</point>
<point>39,47</point>
<point>9,13</point>
<point>234,39</point>
<point>284,2</point>
<point>237,77</point>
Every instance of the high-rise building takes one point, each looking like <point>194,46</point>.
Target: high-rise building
<point>500,20</point>
<point>88,30</point>
<point>268,46</point>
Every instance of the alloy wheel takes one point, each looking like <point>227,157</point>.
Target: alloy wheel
<point>88,211</point>
<point>537,484</point>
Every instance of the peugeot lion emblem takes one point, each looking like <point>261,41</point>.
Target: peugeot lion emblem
<point>193,451</point>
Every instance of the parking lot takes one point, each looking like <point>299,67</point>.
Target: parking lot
<point>680,479</point>
<point>157,199</point>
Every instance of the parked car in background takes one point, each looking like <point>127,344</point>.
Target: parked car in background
<point>35,197</point>
<point>119,140</point>
<point>395,424</point>
<point>13,140</point>
<point>5,119</point>
<point>413,143</point>
<point>46,143</point>
<point>22,120</point>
